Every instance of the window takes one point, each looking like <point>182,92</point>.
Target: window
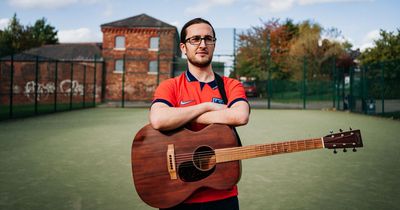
<point>119,66</point>
<point>119,42</point>
<point>154,41</point>
<point>153,67</point>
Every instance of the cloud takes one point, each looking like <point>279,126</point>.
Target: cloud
<point>369,39</point>
<point>307,2</point>
<point>3,23</point>
<point>79,35</point>
<point>204,6</point>
<point>273,5</point>
<point>47,4</point>
<point>262,6</point>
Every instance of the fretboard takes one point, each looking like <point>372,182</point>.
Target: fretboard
<point>261,150</point>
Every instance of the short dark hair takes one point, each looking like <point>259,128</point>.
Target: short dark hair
<point>192,22</point>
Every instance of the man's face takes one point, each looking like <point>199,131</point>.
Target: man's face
<point>199,55</point>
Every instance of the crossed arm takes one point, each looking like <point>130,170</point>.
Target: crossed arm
<point>163,117</point>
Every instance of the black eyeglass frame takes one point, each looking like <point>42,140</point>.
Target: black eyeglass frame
<point>213,39</point>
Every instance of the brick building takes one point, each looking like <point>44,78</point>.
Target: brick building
<point>139,52</point>
<point>136,54</point>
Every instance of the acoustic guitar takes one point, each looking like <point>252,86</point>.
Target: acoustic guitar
<point>168,167</point>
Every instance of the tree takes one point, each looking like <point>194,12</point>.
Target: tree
<point>42,33</point>
<point>290,46</point>
<point>16,38</point>
<point>311,49</point>
<point>11,37</point>
<point>387,48</point>
<point>253,58</point>
<point>383,60</point>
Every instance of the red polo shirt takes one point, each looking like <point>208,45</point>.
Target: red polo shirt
<point>186,90</point>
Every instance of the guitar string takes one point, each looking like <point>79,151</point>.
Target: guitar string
<point>233,153</point>
<point>185,160</point>
<point>231,157</point>
<point>236,152</point>
<point>276,146</point>
<point>212,161</point>
<point>268,148</point>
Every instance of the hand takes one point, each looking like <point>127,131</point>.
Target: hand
<point>215,107</point>
<point>236,115</point>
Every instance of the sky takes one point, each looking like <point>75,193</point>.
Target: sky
<point>359,21</point>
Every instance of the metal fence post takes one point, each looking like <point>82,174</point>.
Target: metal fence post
<point>123,82</point>
<point>94,82</point>
<point>363,94</point>
<point>70,92</point>
<point>269,84</point>
<point>234,50</point>
<point>334,83</point>
<point>55,86</point>
<point>158,56</point>
<point>84,85</point>
<point>383,86</point>
<point>11,86</point>
<point>36,84</point>
<point>343,87</point>
<point>350,98</point>
<point>304,82</point>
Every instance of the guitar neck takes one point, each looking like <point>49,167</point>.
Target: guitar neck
<point>261,150</point>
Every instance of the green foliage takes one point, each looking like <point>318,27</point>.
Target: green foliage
<point>42,33</point>
<point>381,64</point>
<point>16,38</point>
<point>283,47</point>
<point>310,47</point>
<point>387,48</point>
<point>254,60</point>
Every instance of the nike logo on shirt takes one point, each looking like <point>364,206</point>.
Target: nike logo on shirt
<point>186,102</point>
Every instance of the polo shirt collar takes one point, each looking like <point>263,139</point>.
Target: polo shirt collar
<point>191,78</point>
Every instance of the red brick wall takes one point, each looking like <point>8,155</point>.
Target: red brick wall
<point>139,83</point>
<point>24,82</point>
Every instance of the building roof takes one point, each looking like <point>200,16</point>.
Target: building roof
<point>142,21</point>
<point>61,52</point>
<point>68,51</point>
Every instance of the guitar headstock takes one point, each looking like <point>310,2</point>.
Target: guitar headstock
<point>343,139</point>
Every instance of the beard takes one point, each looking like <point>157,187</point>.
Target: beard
<point>200,63</point>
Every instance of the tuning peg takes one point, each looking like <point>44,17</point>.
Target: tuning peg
<point>344,150</point>
<point>354,149</point>
<point>331,131</point>
<point>334,151</point>
<point>340,130</point>
<point>350,128</point>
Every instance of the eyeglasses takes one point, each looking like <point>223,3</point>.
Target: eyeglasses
<point>196,40</point>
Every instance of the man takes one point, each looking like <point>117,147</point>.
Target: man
<point>194,101</point>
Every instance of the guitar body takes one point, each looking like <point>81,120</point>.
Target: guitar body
<point>150,163</point>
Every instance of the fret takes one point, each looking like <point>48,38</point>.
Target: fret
<point>253,151</point>
<point>309,144</point>
<point>294,146</point>
<point>268,149</point>
<point>301,145</point>
<point>286,147</point>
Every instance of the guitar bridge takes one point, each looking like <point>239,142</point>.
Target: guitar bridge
<point>171,161</point>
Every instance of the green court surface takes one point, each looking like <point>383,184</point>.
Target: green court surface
<point>81,160</point>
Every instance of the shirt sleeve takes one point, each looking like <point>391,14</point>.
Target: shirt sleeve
<point>234,91</point>
<point>165,93</point>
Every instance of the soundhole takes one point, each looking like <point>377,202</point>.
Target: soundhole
<point>201,166</point>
